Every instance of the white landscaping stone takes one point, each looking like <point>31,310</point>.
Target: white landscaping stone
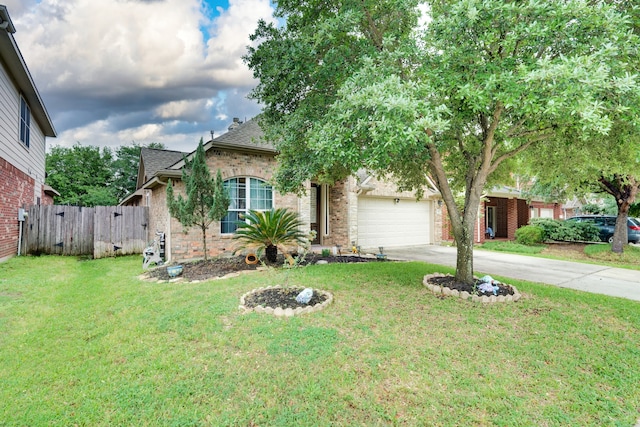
<point>269,310</point>
<point>259,309</point>
<point>501,298</point>
<point>516,297</point>
<point>288,312</point>
<point>508,298</point>
<point>278,312</point>
<point>464,295</point>
<point>475,298</point>
<point>455,293</point>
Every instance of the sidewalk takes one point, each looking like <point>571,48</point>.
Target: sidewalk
<point>617,282</point>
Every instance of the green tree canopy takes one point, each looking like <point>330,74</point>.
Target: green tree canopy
<point>206,200</point>
<point>82,175</point>
<point>93,176</point>
<point>350,85</point>
<point>608,163</point>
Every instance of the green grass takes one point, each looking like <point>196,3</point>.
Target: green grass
<point>630,258</point>
<point>593,254</point>
<point>87,343</point>
<point>511,247</point>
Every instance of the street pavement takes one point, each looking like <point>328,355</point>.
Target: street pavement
<point>599,279</point>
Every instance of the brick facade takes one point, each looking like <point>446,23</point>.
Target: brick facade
<point>187,244</point>
<point>510,214</point>
<point>339,201</point>
<point>17,190</point>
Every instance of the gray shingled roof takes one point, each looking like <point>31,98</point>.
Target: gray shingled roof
<point>155,160</point>
<point>247,135</point>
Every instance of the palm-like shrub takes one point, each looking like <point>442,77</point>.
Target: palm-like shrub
<point>269,230</point>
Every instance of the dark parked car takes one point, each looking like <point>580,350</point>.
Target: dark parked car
<point>606,225</point>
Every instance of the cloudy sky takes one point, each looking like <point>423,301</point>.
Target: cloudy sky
<point>115,71</point>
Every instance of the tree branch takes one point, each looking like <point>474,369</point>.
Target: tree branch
<point>516,151</point>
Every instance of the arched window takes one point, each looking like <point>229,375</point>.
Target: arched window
<point>245,193</point>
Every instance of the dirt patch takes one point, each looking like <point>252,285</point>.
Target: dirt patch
<point>221,266</point>
<point>566,250</point>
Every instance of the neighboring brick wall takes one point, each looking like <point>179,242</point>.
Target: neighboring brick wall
<point>45,199</point>
<point>16,191</point>
<point>557,209</point>
<point>512,218</point>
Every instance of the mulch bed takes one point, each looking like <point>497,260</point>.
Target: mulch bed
<point>221,266</point>
<point>281,297</point>
<point>451,283</point>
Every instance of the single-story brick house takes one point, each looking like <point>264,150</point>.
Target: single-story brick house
<point>360,210</point>
<point>24,126</point>
<point>504,210</point>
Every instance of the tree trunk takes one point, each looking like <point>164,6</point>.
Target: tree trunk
<point>620,233</point>
<point>464,255</point>
<point>272,253</point>
<point>624,189</point>
<point>204,242</point>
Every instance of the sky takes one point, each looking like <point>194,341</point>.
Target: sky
<point>113,72</point>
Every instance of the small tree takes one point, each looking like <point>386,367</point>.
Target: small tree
<point>206,199</point>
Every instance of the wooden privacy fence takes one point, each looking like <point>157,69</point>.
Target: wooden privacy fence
<point>101,232</point>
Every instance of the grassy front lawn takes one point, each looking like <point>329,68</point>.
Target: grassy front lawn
<point>86,343</point>
<point>599,253</point>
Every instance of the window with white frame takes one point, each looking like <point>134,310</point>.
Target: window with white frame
<point>25,122</point>
<point>245,194</point>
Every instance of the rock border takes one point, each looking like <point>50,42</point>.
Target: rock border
<point>286,312</point>
<point>443,290</point>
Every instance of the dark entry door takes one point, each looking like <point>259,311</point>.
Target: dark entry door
<point>315,211</point>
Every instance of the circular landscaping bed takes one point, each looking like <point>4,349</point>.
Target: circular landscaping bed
<point>281,302</point>
<point>447,285</point>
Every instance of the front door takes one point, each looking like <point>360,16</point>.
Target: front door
<point>315,211</point>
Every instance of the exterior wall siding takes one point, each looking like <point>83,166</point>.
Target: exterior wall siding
<point>16,191</point>
<point>30,161</point>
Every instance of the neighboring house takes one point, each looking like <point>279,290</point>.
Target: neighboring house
<point>504,210</point>
<point>360,211</point>
<point>151,161</point>
<point>24,125</point>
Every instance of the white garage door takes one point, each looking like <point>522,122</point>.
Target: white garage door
<point>382,222</point>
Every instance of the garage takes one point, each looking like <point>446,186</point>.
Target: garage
<point>394,222</point>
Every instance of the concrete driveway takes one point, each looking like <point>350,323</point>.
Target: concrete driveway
<point>617,282</point>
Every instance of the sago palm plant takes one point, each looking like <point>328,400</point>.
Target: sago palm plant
<point>269,230</point>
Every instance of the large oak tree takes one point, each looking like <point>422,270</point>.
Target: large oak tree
<point>453,95</point>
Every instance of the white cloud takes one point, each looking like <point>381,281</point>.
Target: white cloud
<point>113,71</point>
<point>198,110</point>
<point>230,38</point>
